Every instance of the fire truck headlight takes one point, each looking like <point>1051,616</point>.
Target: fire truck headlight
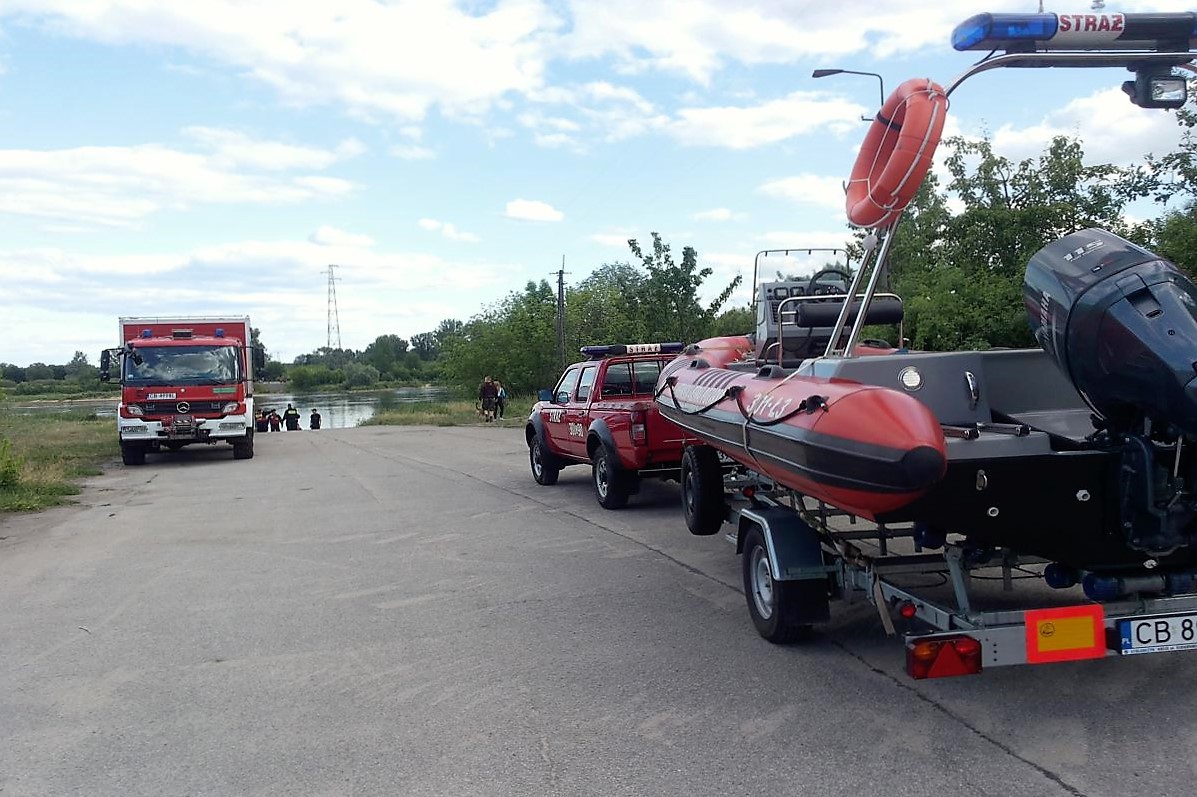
<point>230,408</point>
<point>134,409</point>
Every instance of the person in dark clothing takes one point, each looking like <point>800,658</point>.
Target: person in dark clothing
<point>291,418</point>
<point>262,422</point>
<point>500,399</point>
<point>276,423</point>
<point>314,421</point>
<point>488,394</point>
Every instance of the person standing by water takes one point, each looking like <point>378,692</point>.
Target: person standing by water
<point>276,423</point>
<point>291,417</point>
<point>500,399</point>
<point>314,421</point>
<point>262,422</point>
<point>488,396</point>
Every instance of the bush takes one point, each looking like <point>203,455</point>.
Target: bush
<point>358,375</point>
<point>10,465</point>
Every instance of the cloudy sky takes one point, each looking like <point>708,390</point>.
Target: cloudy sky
<point>214,157</point>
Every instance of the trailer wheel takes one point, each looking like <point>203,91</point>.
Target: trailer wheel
<point>773,604</point>
<point>244,449</point>
<point>132,454</point>
<point>702,490</point>
<point>545,467</point>
<point>612,484</point>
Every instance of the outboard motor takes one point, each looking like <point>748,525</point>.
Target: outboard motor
<point>1121,322</point>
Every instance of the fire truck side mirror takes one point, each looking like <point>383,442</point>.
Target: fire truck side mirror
<point>105,365</point>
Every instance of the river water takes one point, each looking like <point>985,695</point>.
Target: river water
<point>337,410</point>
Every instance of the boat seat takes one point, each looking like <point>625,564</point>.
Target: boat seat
<point>807,329</point>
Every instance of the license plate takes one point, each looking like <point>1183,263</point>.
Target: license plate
<point>160,396</point>
<point>1158,634</point>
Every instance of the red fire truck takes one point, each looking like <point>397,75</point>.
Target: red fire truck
<point>184,380</point>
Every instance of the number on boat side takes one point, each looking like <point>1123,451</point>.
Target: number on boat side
<point>766,406</point>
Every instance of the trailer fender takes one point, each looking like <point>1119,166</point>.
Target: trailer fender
<point>795,553</point>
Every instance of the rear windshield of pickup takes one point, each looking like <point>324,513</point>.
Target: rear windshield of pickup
<point>631,379</point>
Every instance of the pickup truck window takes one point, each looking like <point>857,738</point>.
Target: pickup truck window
<point>586,382</point>
<point>645,376</point>
<point>618,381</point>
<point>565,387</point>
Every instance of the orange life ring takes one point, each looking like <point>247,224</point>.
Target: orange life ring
<point>896,153</point>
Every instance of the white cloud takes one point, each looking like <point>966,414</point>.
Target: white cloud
<point>412,152</point>
<point>768,123</point>
<point>811,189</point>
<point>1136,130</point>
<point>331,236</point>
<point>447,230</point>
<point>231,149</point>
<point>718,214</point>
<point>393,59</point>
<point>279,283</point>
<point>532,210</point>
<point>121,186</point>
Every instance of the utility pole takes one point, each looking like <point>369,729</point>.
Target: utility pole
<point>561,312</point>
<point>334,318</point>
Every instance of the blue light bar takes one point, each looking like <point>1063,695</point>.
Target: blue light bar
<point>147,333</point>
<point>994,31</point>
<point>220,332</point>
<point>618,349</point>
<point>1167,32</point>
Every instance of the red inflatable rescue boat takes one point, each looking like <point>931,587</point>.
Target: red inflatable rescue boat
<point>862,448</point>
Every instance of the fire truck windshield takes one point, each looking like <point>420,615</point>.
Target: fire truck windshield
<point>184,365</point>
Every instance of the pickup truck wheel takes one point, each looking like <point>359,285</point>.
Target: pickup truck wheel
<point>702,490</point>
<point>545,467</point>
<point>244,449</point>
<point>772,604</point>
<point>612,484</point>
<point>132,454</point>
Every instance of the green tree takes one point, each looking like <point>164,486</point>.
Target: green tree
<point>426,345</point>
<point>960,273</point>
<point>669,295</point>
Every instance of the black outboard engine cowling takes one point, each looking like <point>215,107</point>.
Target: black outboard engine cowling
<point>1120,321</point>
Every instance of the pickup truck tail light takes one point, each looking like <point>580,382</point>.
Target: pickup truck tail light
<point>639,429</point>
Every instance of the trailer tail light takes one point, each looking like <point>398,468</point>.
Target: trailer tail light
<point>639,428</point>
<point>943,657</point>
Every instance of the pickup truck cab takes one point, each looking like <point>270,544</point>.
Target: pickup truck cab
<point>602,414</point>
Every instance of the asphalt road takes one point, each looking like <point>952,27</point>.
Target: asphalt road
<point>403,611</point>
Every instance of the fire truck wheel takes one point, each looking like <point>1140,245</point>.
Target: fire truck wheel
<point>244,449</point>
<point>545,467</point>
<point>773,605</point>
<point>702,490</point>
<point>612,484</point>
<point>132,454</point>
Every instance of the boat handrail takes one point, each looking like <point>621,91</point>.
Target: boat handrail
<point>781,322</point>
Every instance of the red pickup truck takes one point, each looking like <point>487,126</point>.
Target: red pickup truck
<point>602,413</point>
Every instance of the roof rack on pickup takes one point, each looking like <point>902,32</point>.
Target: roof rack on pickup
<point>620,349</point>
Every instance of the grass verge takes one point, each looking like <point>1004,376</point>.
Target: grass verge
<point>445,413</point>
<point>42,455</point>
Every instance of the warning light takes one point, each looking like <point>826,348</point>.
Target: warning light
<point>943,657</point>
<point>1036,32</point>
<point>907,610</point>
<point>619,349</point>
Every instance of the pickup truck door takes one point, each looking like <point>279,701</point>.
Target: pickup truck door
<point>577,414</point>
<point>553,416</point>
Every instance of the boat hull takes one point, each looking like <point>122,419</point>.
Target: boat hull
<point>862,448</point>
